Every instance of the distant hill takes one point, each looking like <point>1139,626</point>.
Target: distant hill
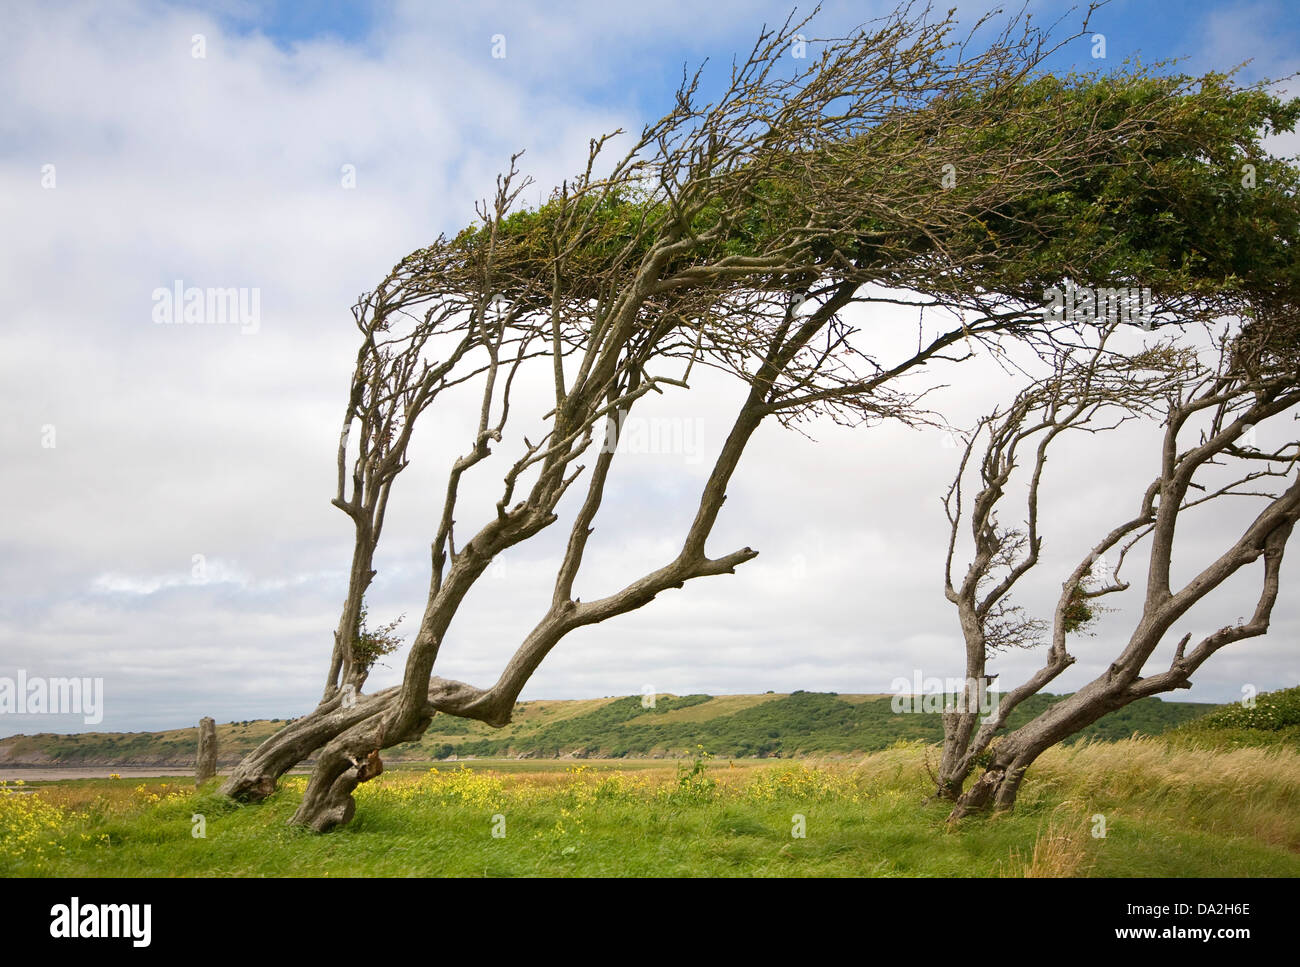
<point>797,724</point>
<point>733,726</point>
<point>174,747</point>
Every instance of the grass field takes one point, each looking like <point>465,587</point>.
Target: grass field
<point>1168,811</point>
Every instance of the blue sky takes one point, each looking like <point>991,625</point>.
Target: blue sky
<point>640,55</point>
<point>1152,30</point>
<point>176,442</point>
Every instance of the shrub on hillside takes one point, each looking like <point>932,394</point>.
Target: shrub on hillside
<point>1270,712</point>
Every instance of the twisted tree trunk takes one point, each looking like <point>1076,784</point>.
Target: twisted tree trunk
<point>999,784</point>
<point>959,723</point>
<point>256,776</point>
<point>1122,682</point>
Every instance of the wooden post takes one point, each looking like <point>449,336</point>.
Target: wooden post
<point>206,765</point>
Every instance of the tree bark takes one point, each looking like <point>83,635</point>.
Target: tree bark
<point>954,764</point>
<point>1000,782</point>
<point>255,778</point>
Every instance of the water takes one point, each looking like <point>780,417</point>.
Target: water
<point>47,774</point>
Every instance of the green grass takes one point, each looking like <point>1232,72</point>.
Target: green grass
<point>1168,812</point>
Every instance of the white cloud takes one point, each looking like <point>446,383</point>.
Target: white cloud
<point>177,441</point>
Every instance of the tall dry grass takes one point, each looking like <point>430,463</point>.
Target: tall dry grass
<point>1242,792</point>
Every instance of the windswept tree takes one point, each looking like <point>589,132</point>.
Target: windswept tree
<point>1228,434</point>
<point>903,163</point>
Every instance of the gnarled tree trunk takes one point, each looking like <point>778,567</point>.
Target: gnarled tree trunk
<point>1253,380</point>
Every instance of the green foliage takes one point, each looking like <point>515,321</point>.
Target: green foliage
<point>1078,612</point>
<point>1171,204</point>
<point>1270,712</point>
<point>985,759</point>
<point>1272,721</point>
<point>371,644</point>
<point>1170,208</point>
<point>693,785</point>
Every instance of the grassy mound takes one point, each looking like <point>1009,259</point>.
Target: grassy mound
<point>1272,720</point>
